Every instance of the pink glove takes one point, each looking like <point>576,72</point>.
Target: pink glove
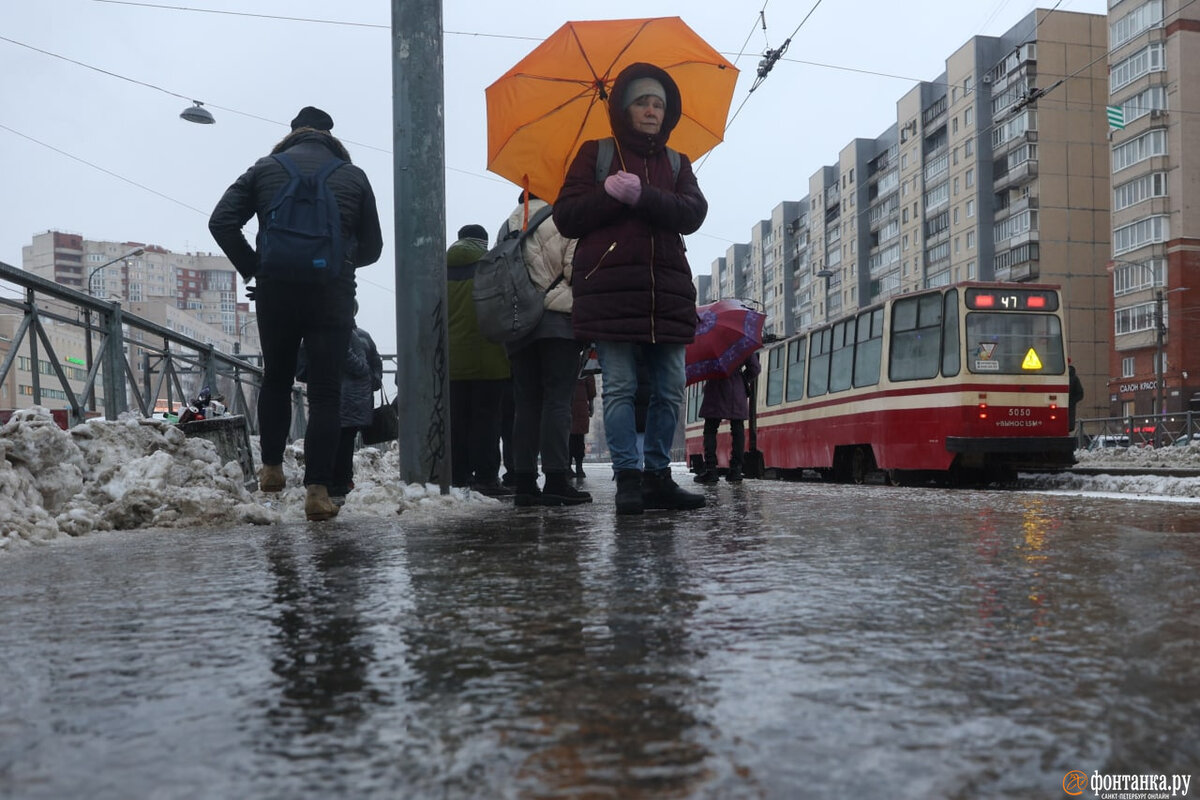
<point>624,187</point>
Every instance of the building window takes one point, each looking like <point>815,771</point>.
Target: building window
<point>1133,319</point>
<point>970,208</point>
<point>969,147</point>
<point>970,270</point>
<point>1127,367</point>
<point>971,177</point>
<point>1150,230</point>
<point>1143,18</point>
<point>969,116</point>
<point>1150,58</point>
<point>1139,190</point>
<point>970,240</point>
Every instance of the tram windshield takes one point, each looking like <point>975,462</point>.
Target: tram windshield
<point>1015,344</point>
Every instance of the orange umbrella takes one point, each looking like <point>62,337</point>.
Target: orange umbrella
<point>556,98</point>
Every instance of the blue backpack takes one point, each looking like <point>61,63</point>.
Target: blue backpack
<point>301,236</point>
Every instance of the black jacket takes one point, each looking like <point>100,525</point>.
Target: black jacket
<point>252,193</point>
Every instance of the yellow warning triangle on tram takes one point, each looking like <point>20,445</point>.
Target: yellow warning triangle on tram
<point>1031,360</point>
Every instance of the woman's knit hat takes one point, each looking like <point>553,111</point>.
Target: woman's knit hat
<point>639,87</point>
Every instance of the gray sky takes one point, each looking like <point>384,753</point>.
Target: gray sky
<point>108,158</point>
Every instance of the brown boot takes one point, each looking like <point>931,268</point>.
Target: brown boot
<point>270,478</point>
<point>317,505</point>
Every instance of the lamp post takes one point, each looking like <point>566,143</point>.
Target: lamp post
<point>1160,333</point>
<point>87,343</point>
<point>92,274</point>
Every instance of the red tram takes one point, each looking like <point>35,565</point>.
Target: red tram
<point>962,383</point>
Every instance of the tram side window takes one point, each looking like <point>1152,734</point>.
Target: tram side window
<point>869,348</point>
<point>841,361</point>
<point>795,369</point>
<point>818,362</point>
<point>775,376</point>
<point>916,338</point>
<point>951,348</point>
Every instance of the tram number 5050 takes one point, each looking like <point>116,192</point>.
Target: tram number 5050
<point>1020,412</point>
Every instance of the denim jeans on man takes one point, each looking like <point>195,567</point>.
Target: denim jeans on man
<point>618,367</point>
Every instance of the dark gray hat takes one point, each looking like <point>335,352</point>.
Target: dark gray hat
<point>310,117</point>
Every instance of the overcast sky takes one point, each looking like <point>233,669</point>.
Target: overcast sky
<point>109,158</point>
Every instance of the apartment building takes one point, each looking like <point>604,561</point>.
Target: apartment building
<point>193,294</point>
<point>202,284</point>
<point>1154,86</point>
<point>995,170</point>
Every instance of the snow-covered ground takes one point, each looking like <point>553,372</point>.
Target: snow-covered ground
<point>140,473</point>
<point>145,473</point>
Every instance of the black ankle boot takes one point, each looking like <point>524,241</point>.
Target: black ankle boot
<point>558,492</point>
<point>659,490</point>
<point>629,491</point>
<point>527,491</point>
<point>735,473</point>
<point>709,474</point>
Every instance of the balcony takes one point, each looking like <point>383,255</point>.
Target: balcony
<point>1021,173</point>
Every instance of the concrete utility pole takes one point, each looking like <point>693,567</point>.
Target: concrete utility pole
<point>419,161</point>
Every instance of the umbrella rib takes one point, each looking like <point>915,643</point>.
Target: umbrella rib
<point>626,46</point>
<point>597,81</point>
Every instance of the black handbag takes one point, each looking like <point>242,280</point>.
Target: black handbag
<point>385,422</point>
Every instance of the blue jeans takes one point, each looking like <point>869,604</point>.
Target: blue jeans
<point>664,368</point>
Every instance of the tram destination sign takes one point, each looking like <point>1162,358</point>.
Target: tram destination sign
<point>1012,300</point>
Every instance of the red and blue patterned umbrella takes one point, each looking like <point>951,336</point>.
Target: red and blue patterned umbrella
<point>728,331</point>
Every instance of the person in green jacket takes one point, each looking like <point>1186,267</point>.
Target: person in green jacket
<point>478,373</point>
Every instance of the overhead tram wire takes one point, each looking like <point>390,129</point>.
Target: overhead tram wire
<point>764,66</point>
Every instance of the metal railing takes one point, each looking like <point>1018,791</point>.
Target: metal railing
<point>131,363</point>
<point>1139,430</point>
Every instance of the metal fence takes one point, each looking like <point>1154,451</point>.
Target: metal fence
<point>1139,430</point>
<point>129,363</point>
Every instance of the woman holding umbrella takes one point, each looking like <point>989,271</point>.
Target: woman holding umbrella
<point>632,283</point>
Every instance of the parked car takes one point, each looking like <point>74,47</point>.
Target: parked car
<point>1108,440</point>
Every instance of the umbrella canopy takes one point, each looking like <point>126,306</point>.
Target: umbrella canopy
<point>556,98</point>
<point>728,332</point>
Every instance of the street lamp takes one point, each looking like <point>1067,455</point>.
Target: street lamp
<point>88,317</point>
<point>92,274</point>
<point>1160,331</point>
<point>197,113</point>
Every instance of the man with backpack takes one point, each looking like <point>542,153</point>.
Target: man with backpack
<point>317,222</point>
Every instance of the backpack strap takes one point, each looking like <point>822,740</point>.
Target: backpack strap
<point>538,218</point>
<point>604,157</point>
<point>286,161</point>
<point>608,147</point>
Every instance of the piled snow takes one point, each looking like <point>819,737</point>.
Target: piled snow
<point>145,473</point>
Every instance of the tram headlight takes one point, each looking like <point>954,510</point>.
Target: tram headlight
<point>983,412</point>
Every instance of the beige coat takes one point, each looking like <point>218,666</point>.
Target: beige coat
<point>548,254</point>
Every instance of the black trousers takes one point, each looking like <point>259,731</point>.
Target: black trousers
<point>321,318</point>
<point>577,446</point>
<point>737,433</point>
<point>544,375</point>
<point>343,463</point>
<point>475,431</point>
